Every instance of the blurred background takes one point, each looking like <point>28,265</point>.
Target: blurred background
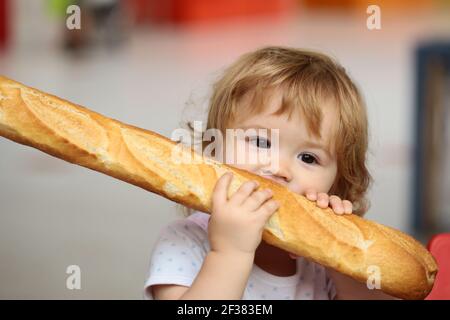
<point>150,64</point>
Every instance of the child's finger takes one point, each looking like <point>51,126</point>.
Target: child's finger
<point>293,256</point>
<point>348,207</point>
<point>336,204</point>
<point>244,191</point>
<point>322,200</point>
<point>257,199</point>
<point>311,195</point>
<point>220,192</point>
<point>267,209</point>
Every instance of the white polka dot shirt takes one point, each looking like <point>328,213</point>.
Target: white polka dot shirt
<point>183,244</point>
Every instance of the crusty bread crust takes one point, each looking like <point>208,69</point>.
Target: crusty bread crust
<point>346,243</point>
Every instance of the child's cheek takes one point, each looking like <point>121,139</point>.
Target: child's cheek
<point>294,187</point>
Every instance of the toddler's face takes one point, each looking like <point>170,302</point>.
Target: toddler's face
<point>301,165</point>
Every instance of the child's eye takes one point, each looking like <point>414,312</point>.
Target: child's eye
<point>307,158</point>
<point>260,142</point>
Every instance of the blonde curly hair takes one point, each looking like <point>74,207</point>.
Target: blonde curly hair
<point>307,80</point>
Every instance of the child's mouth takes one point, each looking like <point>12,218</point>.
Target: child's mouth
<point>276,179</point>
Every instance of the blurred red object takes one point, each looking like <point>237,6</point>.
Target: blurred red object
<point>439,247</point>
<point>4,23</point>
<point>187,11</point>
<point>362,4</point>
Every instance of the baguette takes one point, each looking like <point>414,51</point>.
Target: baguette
<point>346,243</point>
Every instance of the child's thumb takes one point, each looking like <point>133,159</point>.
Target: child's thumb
<point>293,256</point>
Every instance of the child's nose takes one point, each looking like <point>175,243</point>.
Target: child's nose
<point>281,174</point>
<point>284,170</point>
<point>284,175</point>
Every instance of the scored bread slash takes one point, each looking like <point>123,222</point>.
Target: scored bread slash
<point>346,243</point>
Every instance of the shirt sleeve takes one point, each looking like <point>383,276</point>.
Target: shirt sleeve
<point>177,255</point>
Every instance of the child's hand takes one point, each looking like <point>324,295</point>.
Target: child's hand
<point>323,201</point>
<point>236,224</point>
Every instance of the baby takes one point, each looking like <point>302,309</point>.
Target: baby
<point>321,122</point>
